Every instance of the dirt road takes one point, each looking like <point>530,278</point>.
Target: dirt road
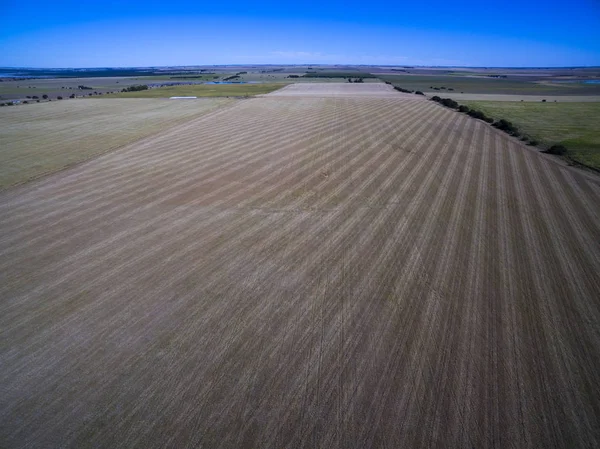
<point>304,272</point>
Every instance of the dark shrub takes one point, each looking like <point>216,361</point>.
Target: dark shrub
<point>507,127</point>
<point>544,100</point>
<point>45,97</point>
<point>488,119</point>
<point>557,149</point>
<point>59,98</point>
<point>448,102</point>
<point>463,108</point>
<point>533,143</point>
<point>25,102</point>
<point>436,98</point>
<point>476,114</point>
<point>419,93</point>
<point>136,88</point>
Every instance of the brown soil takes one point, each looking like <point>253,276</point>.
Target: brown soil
<point>304,272</point>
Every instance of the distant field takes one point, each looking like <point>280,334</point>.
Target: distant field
<point>479,85</point>
<point>202,90</point>
<point>462,98</point>
<point>574,125</point>
<point>340,89</point>
<point>66,86</point>
<point>42,138</point>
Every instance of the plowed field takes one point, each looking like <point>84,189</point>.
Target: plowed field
<point>345,272</point>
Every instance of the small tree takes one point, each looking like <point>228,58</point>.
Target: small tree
<point>59,98</point>
<point>45,97</point>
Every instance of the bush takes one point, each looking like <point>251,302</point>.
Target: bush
<point>135,88</point>
<point>400,89</point>
<point>477,114</point>
<point>25,102</point>
<point>507,127</point>
<point>419,93</point>
<point>45,97</point>
<point>59,98</point>
<point>533,143</point>
<point>558,150</point>
<point>436,98</point>
<point>463,108</point>
<point>448,102</point>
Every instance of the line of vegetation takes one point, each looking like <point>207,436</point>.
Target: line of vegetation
<point>337,75</point>
<point>230,78</point>
<point>135,88</point>
<point>191,77</point>
<point>503,125</point>
<point>407,91</point>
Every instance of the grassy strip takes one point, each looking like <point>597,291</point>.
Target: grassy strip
<point>572,125</point>
<point>202,90</point>
<point>564,129</point>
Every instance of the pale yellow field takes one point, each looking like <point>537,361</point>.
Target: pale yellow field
<point>37,139</point>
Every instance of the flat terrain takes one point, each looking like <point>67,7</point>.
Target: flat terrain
<point>202,90</point>
<point>15,89</point>
<point>575,125</point>
<point>525,98</point>
<point>295,271</point>
<point>37,139</point>
<point>470,84</point>
<point>321,90</point>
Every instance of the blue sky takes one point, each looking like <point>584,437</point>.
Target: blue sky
<point>69,33</point>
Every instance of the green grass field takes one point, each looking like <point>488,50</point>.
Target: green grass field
<point>202,90</point>
<point>574,125</point>
<point>480,85</point>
